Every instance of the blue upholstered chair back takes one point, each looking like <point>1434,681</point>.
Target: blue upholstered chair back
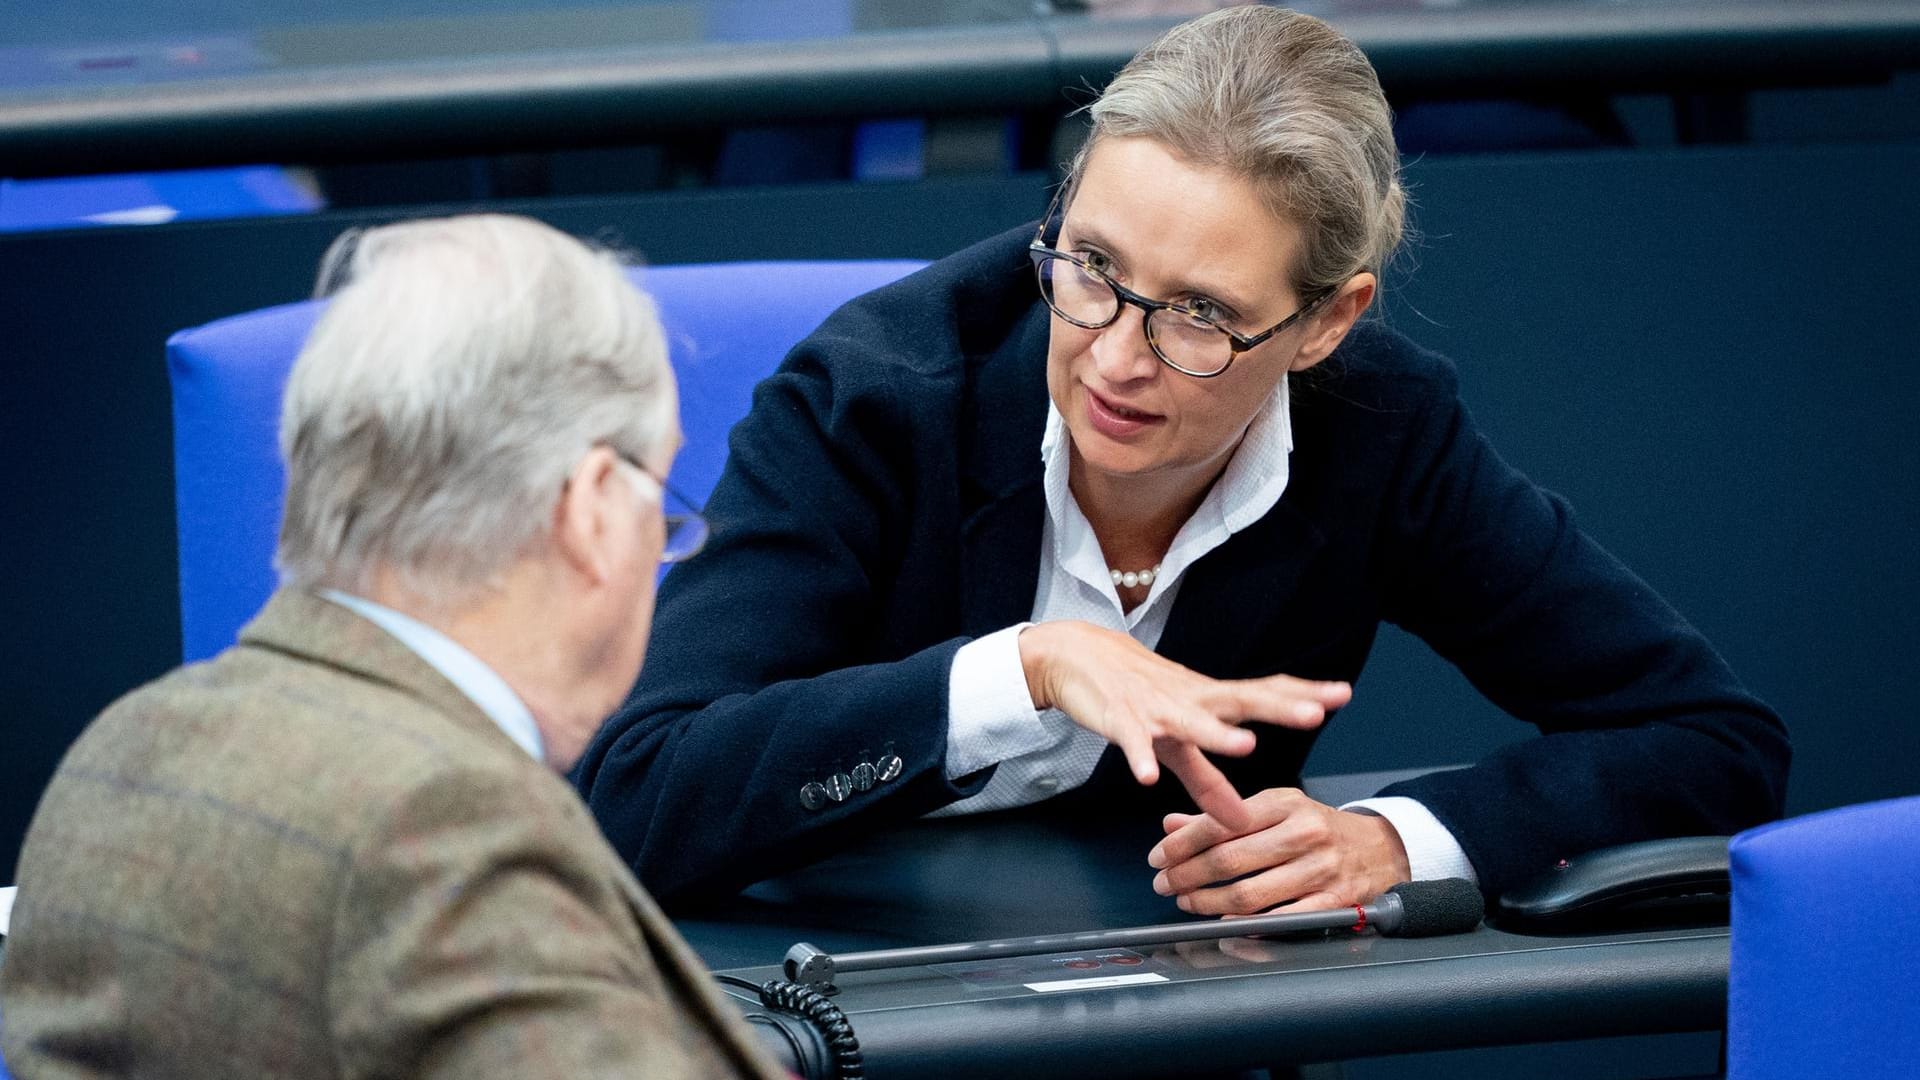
<point>1825,975</point>
<point>728,325</point>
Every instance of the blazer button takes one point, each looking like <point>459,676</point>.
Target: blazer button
<point>863,776</point>
<point>890,766</point>
<point>813,795</point>
<point>839,786</point>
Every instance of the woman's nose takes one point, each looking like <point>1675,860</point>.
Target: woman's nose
<point>1120,352</point>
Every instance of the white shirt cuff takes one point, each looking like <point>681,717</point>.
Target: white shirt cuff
<point>990,715</point>
<point>1432,852</point>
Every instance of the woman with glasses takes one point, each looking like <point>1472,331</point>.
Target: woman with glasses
<point>1133,490</point>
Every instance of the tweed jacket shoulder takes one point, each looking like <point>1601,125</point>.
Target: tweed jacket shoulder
<point>314,857</point>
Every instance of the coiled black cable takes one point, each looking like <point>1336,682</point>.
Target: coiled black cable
<point>812,1006</point>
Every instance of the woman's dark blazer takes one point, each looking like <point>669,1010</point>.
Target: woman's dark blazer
<point>882,506</point>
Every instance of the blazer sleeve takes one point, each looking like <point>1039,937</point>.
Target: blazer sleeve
<point>1646,731</point>
<point>774,662</point>
<point>482,929</point>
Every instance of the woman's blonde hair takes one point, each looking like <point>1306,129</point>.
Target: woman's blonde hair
<point>1286,101</point>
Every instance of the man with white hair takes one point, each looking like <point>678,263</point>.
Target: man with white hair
<point>342,848</point>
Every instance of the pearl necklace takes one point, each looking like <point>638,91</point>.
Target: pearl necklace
<point>1130,578</point>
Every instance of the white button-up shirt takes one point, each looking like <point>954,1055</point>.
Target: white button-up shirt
<point>991,716</point>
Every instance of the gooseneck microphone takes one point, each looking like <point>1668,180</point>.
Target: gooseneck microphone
<point>1409,909</point>
<point>1430,908</point>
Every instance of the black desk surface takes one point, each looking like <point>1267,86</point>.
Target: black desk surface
<point>1230,1004</point>
<point>143,87</point>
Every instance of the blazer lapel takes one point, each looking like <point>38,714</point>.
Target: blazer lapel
<point>1003,504</point>
<point>1255,572</point>
<point>999,561</point>
<point>705,1006</point>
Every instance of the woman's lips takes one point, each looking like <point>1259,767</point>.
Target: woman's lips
<point>1117,421</point>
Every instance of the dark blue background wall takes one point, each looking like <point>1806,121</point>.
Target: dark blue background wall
<point>1710,352</point>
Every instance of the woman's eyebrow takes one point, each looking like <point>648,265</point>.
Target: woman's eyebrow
<point>1085,234</point>
<point>1182,287</point>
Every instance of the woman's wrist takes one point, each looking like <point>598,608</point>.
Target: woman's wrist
<point>1037,644</point>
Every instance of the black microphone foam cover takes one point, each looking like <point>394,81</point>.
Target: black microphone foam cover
<point>1441,906</point>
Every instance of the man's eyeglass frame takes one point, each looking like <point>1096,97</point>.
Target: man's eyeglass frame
<point>691,523</point>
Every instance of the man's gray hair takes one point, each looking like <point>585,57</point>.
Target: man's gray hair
<point>461,368</point>
<point>1286,101</point>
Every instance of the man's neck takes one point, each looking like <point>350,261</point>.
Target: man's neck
<point>493,628</point>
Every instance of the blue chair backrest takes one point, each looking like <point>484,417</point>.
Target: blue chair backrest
<point>1825,970</point>
<point>4,1074</point>
<point>728,326</point>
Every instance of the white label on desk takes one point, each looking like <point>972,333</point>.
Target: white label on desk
<point>1098,982</point>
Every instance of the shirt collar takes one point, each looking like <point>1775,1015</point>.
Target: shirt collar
<point>1247,489</point>
<point>467,672</point>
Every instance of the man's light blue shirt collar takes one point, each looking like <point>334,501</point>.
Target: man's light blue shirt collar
<point>464,670</point>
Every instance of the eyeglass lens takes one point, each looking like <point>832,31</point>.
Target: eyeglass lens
<point>1086,299</point>
<point>686,535</point>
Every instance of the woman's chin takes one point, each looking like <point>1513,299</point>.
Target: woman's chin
<point>1121,461</point>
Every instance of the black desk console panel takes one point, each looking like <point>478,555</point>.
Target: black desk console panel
<point>1194,1007</point>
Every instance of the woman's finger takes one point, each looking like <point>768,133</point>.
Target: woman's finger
<point>1138,749</point>
<point>1248,895</point>
<point>1212,792</point>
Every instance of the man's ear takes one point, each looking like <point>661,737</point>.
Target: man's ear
<point>1327,329</point>
<point>586,514</point>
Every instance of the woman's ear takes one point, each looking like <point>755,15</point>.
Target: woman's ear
<point>1327,329</point>
<point>587,513</point>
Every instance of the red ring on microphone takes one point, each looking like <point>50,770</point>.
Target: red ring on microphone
<point>1360,918</point>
